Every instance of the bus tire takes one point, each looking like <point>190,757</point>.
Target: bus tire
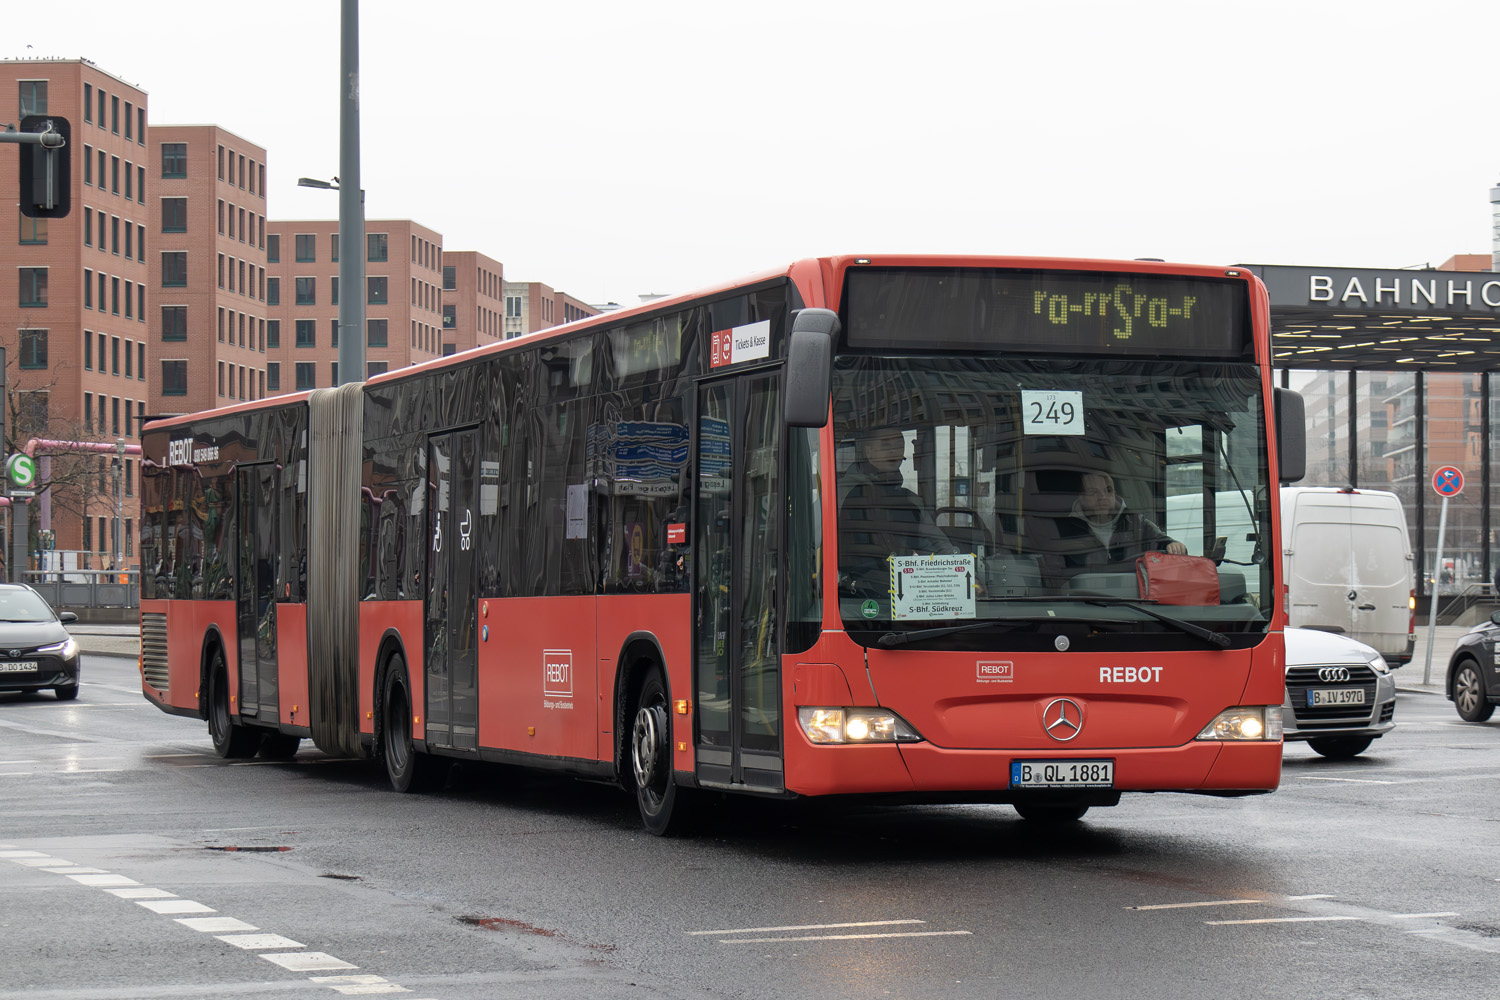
<point>1034,813</point>
<point>279,746</point>
<point>230,740</point>
<point>407,769</point>
<point>663,806</point>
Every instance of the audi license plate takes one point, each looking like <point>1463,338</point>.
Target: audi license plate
<point>1317,697</point>
<point>1062,774</point>
<point>17,666</point>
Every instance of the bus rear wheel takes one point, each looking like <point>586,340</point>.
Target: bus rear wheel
<point>408,769</point>
<point>279,746</point>
<point>662,804</point>
<point>230,740</point>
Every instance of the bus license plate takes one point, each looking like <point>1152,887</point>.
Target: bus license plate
<point>1062,774</point>
<point>1317,697</point>
<point>17,667</point>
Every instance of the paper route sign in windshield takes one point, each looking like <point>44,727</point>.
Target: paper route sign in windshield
<point>927,587</point>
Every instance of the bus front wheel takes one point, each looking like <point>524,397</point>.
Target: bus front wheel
<point>661,802</point>
<point>407,769</point>
<point>230,740</point>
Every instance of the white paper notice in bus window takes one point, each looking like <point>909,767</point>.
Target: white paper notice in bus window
<point>1047,411</point>
<point>578,511</point>
<point>489,488</point>
<point>931,587</point>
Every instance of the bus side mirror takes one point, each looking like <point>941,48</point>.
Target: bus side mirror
<point>1291,435</point>
<point>809,367</point>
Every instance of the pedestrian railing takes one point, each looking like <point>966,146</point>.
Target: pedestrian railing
<point>87,588</point>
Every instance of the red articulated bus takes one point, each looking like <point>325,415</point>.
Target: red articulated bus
<point>891,526</point>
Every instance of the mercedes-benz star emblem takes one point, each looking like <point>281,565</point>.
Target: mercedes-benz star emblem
<point>1061,642</point>
<point>1330,675</point>
<point>1062,719</point>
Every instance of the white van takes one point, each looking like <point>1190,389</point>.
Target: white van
<point>1349,566</point>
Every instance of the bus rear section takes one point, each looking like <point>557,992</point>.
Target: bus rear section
<point>1007,447</point>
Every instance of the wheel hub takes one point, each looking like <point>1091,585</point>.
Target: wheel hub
<point>646,746</point>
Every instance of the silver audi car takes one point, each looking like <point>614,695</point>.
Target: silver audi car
<point>1340,694</point>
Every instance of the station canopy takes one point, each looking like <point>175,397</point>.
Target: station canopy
<point>1348,318</point>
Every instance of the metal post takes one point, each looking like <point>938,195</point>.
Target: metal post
<point>1437,566</point>
<point>118,539</point>
<point>351,205</point>
<point>19,542</point>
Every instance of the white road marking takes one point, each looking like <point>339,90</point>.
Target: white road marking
<point>216,925</point>
<point>175,906</point>
<point>142,893</point>
<point>251,942</point>
<point>1316,895</point>
<point>1416,916</point>
<point>22,854</point>
<point>1355,781</point>
<point>809,927</point>
<point>355,985</point>
<point>48,863</point>
<point>1184,906</point>
<point>844,937</point>
<point>1279,920</point>
<point>100,881</point>
<point>69,868</point>
<point>307,961</point>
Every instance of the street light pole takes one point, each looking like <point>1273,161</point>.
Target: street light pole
<point>351,206</point>
<point>119,531</point>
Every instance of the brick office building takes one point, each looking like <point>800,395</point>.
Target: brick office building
<point>473,300</point>
<point>531,306</point>
<point>403,300</point>
<point>208,269</point>
<point>73,292</point>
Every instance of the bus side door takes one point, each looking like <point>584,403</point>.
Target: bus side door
<point>451,660</point>
<point>255,590</point>
<point>737,660</point>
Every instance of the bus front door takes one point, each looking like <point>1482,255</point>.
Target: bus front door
<point>736,550</point>
<point>451,658</point>
<point>255,590</point>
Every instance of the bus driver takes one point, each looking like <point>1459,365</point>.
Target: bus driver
<point>879,517</point>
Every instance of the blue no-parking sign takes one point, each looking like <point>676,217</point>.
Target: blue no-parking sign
<point>1448,481</point>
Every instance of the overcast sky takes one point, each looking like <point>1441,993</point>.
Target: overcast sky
<point>612,149</point>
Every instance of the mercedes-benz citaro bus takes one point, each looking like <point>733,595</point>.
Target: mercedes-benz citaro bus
<point>889,526</point>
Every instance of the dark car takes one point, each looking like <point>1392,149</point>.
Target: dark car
<point>1473,686</point>
<point>36,652</point>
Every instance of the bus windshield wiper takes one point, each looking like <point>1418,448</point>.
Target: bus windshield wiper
<point>902,638</point>
<point>1207,635</point>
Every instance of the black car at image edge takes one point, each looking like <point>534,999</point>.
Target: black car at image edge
<point>1473,684</point>
<point>36,651</point>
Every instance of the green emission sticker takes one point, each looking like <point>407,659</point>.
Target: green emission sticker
<point>870,609</point>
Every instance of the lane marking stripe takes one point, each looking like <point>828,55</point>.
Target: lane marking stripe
<point>846,937</point>
<point>102,881</point>
<point>251,942</point>
<point>1316,895</point>
<point>307,961</point>
<point>142,893</point>
<point>1352,781</point>
<point>175,906</point>
<point>222,925</point>
<point>1416,916</point>
<point>810,927</point>
<point>1279,920</point>
<point>1184,906</point>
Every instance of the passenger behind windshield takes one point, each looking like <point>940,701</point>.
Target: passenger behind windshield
<point>1100,536</point>
<point>879,517</point>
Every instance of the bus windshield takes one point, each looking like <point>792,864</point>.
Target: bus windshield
<point>1026,489</point>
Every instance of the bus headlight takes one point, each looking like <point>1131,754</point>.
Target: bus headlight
<point>854,725</point>
<point>1247,722</point>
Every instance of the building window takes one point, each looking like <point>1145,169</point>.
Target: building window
<point>34,97</point>
<point>333,242</point>
<point>307,291</point>
<point>221,378</point>
<point>307,333</point>
<point>140,243</point>
<point>114,174</point>
<point>377,291</point>
<point>174,268</point>
<point>335,291</point>
<point>129,173</point>
<point>88,411</point>
<point>33,348</point>
<point>35,230</point>
<point>88,109</point>
<point>450,278</point>
<point>140,128</point>
<point>449,349</point>
<point>306,376</point>
<point>88,165</point>
<point>333,337</point>
<point>114,115</point>
<point>513,306</point>
<point>273,249</point>
<point>333,373</point>
<point>379,247</point>
<point>273,333</point>
<point>88,351</point>
<point>114,355</point>
<point>174,322</point>
<point>174,378</point>
<point>373,368</point>
<point>33,287</point>
<point>129,356</point>
<point>450,317</point>
<point>173,160</point>
<point>140,184</point>
<point>273,376</point>
<point>273,291</point>
<point>377,332</point>
<point>307,247</point>
<point>140,364</point>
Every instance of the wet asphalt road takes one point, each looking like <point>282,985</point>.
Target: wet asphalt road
<point>1378,877</point>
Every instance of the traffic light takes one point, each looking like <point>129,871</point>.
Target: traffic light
<point>46,180</point>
